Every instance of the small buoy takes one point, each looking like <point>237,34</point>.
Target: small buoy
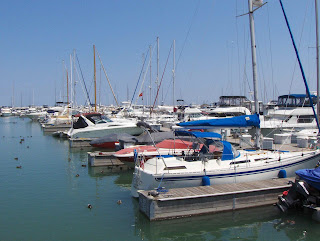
<point>19,166</point>
<point>83,165</point>
<point>101,172</point>
<point>20,142</point>
<point>89,206</point>
<point>77,175</point>
<point>304,233</point>
<point>16,158</point>
<point>119,202</point>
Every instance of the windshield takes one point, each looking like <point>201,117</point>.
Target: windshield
<point>100,119</point>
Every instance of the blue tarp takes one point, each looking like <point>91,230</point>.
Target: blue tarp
<point>199,134</point>
<point>237,121</point>
<point>311,176</point>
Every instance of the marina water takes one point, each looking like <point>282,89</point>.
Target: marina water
<point>45,200</point>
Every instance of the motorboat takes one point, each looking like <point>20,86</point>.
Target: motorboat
<point>303,193</point>
<point>95,125</point>
<point>292,111</point>
<point>5,112</point>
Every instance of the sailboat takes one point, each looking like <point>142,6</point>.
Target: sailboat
<point>218,162</point>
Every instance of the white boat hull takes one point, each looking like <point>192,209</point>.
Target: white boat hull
<point>143,180</point>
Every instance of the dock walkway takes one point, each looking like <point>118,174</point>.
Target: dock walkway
<point>181,202</point>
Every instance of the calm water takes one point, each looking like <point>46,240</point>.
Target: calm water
<point>44,200</point>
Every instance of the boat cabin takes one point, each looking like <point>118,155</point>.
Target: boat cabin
<point>94,118</point>
<point>296,100</point>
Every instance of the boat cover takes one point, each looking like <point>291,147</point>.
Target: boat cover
<point>228,153</point>
<point>311,176</point>
<point>237,121</point>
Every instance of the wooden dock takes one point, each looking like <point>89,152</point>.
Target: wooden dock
<point>98,159</point>
<point>79,142</point>
<point>182,202</point>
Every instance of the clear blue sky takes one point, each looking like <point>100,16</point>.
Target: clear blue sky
<point>212,48</point>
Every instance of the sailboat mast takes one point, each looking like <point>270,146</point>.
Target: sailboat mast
<point>95,80</point>
<point>174,71</point>
<point>317,48</point>
<point>158,64</point>
<point>254,71</point>
<point>150,87</point>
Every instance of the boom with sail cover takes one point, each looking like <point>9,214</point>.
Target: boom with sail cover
<point>237,121</point>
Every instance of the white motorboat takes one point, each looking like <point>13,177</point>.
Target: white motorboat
<point>291,112</point>
<point>5,111</point>
<point>95,125</point>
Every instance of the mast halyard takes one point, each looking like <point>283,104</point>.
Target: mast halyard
<point>254,71</point>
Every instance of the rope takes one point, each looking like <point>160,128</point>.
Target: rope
<point>134,93</point>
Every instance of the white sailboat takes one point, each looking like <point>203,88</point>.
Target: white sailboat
<point>219,162</point>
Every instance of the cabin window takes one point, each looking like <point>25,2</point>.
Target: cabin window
<point>175,168</point>
<point>239,162</point>
<point>305,118</point>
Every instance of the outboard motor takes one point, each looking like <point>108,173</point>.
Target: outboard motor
<point>295,197</point>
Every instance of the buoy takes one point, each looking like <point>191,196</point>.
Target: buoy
<point>205,181</point>
<point>282,174</point>
<point>89,206</point>
<point>119,202</point>
<point>77,175</point>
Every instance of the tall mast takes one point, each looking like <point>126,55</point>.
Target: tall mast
<point>71,92</point>
<point>150,74</point>
<point>157,65</point>
<point>254,71</point>
<point>174,71</point>
<point>317,48</point>
<point>95,80</point>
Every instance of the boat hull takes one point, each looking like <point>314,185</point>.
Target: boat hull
<point>148,181</point>
<point>97,133</point>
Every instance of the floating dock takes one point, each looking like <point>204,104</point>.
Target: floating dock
<point>183,202</point>
<point>79,142</point>
<point>99,159</point>
<point>55,128</point>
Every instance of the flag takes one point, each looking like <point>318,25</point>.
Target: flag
<point>140,94</point>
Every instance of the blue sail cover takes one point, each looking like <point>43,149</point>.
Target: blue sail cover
<point>311,176</point>
<point>237,121</point>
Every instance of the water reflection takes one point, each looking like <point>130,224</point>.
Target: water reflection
<point>249,224</point>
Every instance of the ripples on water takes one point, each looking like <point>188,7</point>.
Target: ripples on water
<point>44,200</point>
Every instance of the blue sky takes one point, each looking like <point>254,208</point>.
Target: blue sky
<point>212,48</point>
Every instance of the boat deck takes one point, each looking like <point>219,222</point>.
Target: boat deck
<point>182,202</point>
